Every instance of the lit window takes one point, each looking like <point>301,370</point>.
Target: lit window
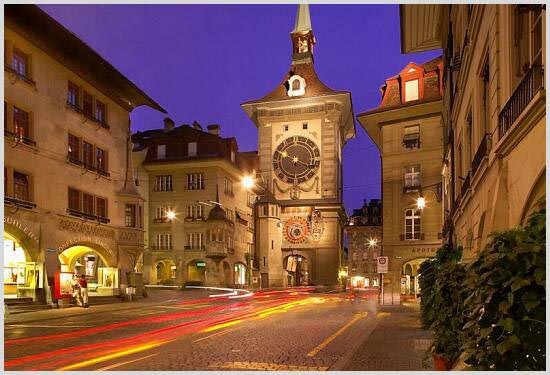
<point>20,62</point>
<point>412,176</point>
<point>192,149</point>
<point>21,186</point>
<point>21,123</point>
<point>412,224</point>
<point>163,183</point>
<point>73,95</point>
<point>411,90</point>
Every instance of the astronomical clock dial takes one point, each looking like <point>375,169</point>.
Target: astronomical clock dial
<point>296,230</point>
<point>296,160</point>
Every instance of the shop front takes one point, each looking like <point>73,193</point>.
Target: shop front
<point>409,285</point>
<point>296,270</point>
<point>240,275</point>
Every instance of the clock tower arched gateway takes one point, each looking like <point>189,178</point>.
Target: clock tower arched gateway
<point>302,128</point>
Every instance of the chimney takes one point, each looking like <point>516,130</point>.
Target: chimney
<point>168,124</point>
<point>197,126</point>
<point>214,129</point>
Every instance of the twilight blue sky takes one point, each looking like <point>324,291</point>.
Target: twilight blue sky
<point>200,62</point>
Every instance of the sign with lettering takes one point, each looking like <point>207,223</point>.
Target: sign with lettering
<point>22,227</point>
<point>424,250</point>
<point>382,265</point>
<point>83,240</point>
<point>86,229</point>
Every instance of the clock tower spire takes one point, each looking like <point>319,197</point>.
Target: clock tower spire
<point>302,37</point>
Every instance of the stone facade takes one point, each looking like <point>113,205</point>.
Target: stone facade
<point>364,236</point>
<point>195,170</point>
<point>494,114</point>
<point>302,127</point>
<point>407,129</point>
<point>67,176</point>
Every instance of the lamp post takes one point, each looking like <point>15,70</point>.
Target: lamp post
<point>434,188</point>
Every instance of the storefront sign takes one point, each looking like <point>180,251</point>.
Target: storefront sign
<point>424,250</point>
<point>87,229</point>
<point>382,265</point>
<point>12,221</point>
<point>130,236</point>
<point>83,240</point>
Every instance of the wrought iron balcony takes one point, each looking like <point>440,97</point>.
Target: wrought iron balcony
<point>465,185</point>
<point>532,83</point>
<point>482,152</point>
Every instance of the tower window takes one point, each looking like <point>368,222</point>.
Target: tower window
<point>304,126</point>
<point>296,85</point>
<point>285,127</point>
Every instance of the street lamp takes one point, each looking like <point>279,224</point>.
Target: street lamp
<point>435,188</point>
<point>421,202</point>
<point>372,242</point>
<point>247,182</point>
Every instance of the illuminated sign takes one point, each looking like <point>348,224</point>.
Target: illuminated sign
<point>201,264</point>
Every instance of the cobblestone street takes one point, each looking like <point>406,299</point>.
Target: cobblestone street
<point>281,330</point>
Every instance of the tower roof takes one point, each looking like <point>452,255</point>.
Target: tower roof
<point>303,20</point>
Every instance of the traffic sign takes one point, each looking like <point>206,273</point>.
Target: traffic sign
<point>382,265</point>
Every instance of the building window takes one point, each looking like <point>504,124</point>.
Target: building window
<point>230,215</point>
<point>101,159</point>
<point>100,111</point>
<point>74,200</point>
<point>74,149</point>
<point>527,38</point>
<point>163,183</point>
<point>233,159</point>
<point>130,215</point>
<point>161,151</point>
<point>195,212</point>
<point>412,224</point>
<point>88,203</point>
<point>250,198</point>
<point>195,181</point>
<point>285,127</point>
<point>88,154</point>
<point>20,63</point>
<point>230,242</point>
<point>304,126</point>
<point>164,241</point>
<point>227,186</point>
<point>412,176</point>
<point>101,207</point>
<point>411,90</point>
<point>162,213</point>
<point>411,138</point>
<point>192,149</point>
<point>194,240</point>
<point>21,123</point>
<point>485,92</point>
<point>21,186</point>
<point>73,97</point>
<point>87,104</point>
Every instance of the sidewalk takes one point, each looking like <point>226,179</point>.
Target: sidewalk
<point>397,343</point>
<point>155,298</point>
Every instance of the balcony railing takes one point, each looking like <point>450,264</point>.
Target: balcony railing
<point>19,138</point>
<point>465,185</point>
<point>532,83</point>
<point>482,152</point>
<point>88,216</point>
<point>162,247</point>
<point>194,248</point>
<point>19,202</point>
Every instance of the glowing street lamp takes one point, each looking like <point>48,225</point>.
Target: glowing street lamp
<point>170,215</point>
<point>421,202</point>
<point>247,182</point>
<point>372,242</point>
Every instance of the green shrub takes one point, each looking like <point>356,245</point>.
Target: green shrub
<point>506,328</point>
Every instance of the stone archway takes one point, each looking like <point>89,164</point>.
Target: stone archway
<point>409,276</point>
<point>164,272</point>
<point>196,271</point>
<point>296,269</point>
<point>239,274</point>
<point>536,194</point>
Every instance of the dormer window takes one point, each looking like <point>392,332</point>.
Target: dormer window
<point>411,90</point>
<point>161,151</point>
<point>296,86</point>
<point>192,149</point>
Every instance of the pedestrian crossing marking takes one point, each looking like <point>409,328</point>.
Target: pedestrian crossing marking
<point>264,366</point>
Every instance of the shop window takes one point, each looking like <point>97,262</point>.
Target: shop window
<point>130,215</point>
<point>411,90</point>
<point>20,63</point>
<point>412,224</point>
<point>21,186</point>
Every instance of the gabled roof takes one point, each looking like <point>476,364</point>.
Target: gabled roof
<point>53,38</point>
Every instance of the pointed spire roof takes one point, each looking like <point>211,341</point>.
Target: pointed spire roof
<point>303,20</point>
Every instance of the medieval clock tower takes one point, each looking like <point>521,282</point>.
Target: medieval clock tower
<point>302,127</point>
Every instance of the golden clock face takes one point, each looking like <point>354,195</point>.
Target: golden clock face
<point>296,230</point>
<point>296,160</point>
